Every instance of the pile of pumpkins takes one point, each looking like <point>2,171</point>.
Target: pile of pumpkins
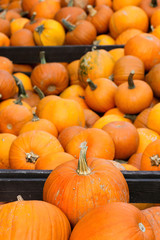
<point>74,22</point>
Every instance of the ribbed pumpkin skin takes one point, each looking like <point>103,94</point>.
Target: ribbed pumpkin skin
<point>76,194</point>
<point>34,220</point>
<point>113,221</point>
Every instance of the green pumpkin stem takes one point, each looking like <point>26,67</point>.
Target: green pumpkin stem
<point>92,12</point>
<point>35,118</point>
<point>155,160</point>
<point>39,92</point>
<point>3,14</point>
<point>21,90</point>
<point>32,20</point>
<point>130,80</point>
<point>42,57</point>
<point>153,3</point>
<point>92,85</point>
<point>24,13</point>
<point>70,3</point>
<point>39,29</point>
<point>132,117</point>
<point>70,27</point>
<point>83,169</point>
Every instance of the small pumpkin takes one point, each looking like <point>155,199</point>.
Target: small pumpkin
<point>126,35</point>
<point>149,6</point>
<point>142,118</point>
<point>7,85</point>
<point>6,64</point>
<point>153,79</point>
<point>4,40</point>
<point>120,4</point>
<point>153,118</point>
<point>22,37</point>
<point>135,160</point>
<point>78,177</point>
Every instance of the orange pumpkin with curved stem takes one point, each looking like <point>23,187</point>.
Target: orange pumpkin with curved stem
<point>99,17</point>
<point>124,66</point>
<point>81,33</point>
<point>133,96</point>
<point>145,46</point>
<point>99,95</point>
<point>151,157</point>
<point>125,137</point>
<point>25,79</point>
<point>99,142</point>
<point>123,221</point>
<point>29,146</point>
<point>23,212</point>
<point>78,177</point>
<point>95,64</point>
<point>126,18</point>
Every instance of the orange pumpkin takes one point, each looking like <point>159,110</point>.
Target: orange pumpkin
<point>155,18</point>
<point>145,46</point>
<point>4,40</point>
<point>90,117</point>
<point>150,6</point>
<point>123,220</point>
<point>135,160</point>
<point>117,53</point>
<point>142,119</point>
<point>72,68</point>
<point>22,37</point>
<point>134,96</point>
<point>120,4</point>
<point>125,137</point>
<point>99,142</point>
<point>6,64</point>
<point>29,146</point>
<point>7,85</point>
<point>152,78</point>
<point>126,18</point>
<point>126,35</point>
<point>95,64</point>
<point>78,177</point>
<point>153,118</point>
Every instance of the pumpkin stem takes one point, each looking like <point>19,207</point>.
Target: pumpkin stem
<point>39,92</point>
<point>91,10</point>
<point>70,27</point>
<point>132,117</point>
<point>92,85</point>
<point>96,42</point>
<point>83,169</point>
<point>153,3</point>
<point>31,157</point>
<point>70,3</point>
<point>24,13</point>
<point>35,118</point>
<point>40,29</point>
<point>32,20</point>
<point>42,57</point>
<point>155,160</point>
<point>21,90</point>
<point>19,198</point>
<point>130,80</point>
<point>3,14</point>
<point>0,95</point>
<point>111,77</point>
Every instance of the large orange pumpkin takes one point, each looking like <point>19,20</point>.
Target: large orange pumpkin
<point>84,185</point>
<point>22,219</point>
<point>120,221</point>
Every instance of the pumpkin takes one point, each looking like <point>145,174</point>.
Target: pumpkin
<point>126,18</point>
<point>22,37</point>
<point>6,64</point>
<point>34,22</point>
<point>4,40</point>
<point>129,167</point>
<point>18,24</point>
<point>22,68</point>
<point>72,68</point>
<point>120,4</point>
<point>39,124</point>
<point>7,85</point>
<point>25,79</point>
<point>49,33</point>
<point>27,5</point>
<point>153,118</point>
<point>155,19</point>
<point>149,6</point>
<point>103,2</point>
<point>118,220</point>
<point>63,113</point>
<point>134,96</point>
<point>150,158</point>
<point>95,64</point>
<point>28,216</point>
<point>135,160</point>
<point>104,39</point>
<point>89,184</point>
<point>44,100</point>
<point>142,118</point>
<point>10,14</point>
<point>146,47</point>
<point>81,33</point>
<point>6,140</point>
<point>100,144</point>
<point>146,136</point>
<point>68,133</point>
<point>99,17</point>
<point>5,27</point>
<point>126,35</point>
<point>52,160</point>
<point>153,215</point>
<point>45,8</point>
<point>124,66</point>
<point>51,78</point>
<point>72,14</point>
<point>13,117</point>
<point>125,137</point>
<point>29,146</point>
<point>152,78</point>
<point>76,3</point>
<point>117,53</point>
<point>99,95</point>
